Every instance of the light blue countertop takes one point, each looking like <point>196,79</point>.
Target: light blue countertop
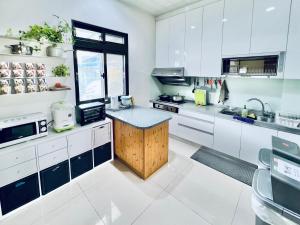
<point>140,117</point>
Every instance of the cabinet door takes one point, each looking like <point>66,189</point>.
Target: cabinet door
<point>162,43</point>
<point>253,139</point>
<point>227,136</point>
<point>292,69</point>
<point>176,39</point>
<point>193,42</point>
<point>212,40</point>
<point>79,142</point>
<point>101,135</point>
<point>237,27</point>
<point>290,137</point>
<point>270,25</point>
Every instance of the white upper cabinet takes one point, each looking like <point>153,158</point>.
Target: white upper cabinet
<point>176,39</point>
<point>253,139</point>
<point>270,25</point>
<point>237,27</point>
<point>227,136</point>
<point>162,43</point>
<point>212,40</point>
<point>193,42</point>
<point>292,69</point>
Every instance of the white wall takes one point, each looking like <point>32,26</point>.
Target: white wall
<point>106,13</point>
<point>282,95</point>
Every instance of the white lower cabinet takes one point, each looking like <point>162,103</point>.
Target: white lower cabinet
<point>192,129</point>
<point>227,136</point>
<point>253,139</point>
<point>80,142</point>
<point>289,137</point>
<point>26,172</point>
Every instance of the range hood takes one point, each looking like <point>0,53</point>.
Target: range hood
<point>171,76</point>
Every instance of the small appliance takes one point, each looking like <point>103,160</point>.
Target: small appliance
<point>285,174</point>
<point>19,129</point>
<point>200,97</point>
<point>63,116</point>
<point>114,102</point>
<point>90,112</point>
<point>126,101</point>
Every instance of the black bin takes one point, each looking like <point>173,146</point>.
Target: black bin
<point>54,177</point>
<point>81,164</point>
<point>102,154</point>
<point>19,193</point>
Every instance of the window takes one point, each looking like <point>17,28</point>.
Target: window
<point>100,62</point>
<point>88,34</point>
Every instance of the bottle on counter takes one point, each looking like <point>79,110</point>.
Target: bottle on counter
<point>245,112</point>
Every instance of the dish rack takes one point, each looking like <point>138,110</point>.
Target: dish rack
<point>288,120</point>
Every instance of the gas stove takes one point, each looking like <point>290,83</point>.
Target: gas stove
<point>169,102</point>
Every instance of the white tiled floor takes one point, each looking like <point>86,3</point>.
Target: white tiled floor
<point>183,192</point>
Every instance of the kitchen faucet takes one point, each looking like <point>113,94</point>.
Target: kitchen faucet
<point>261,102</point>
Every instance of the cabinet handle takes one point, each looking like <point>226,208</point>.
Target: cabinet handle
<point>56,168</point>
<point>19,184</point>
<point>193,128</point>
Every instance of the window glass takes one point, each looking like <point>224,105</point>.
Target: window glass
<point>115,74</point>
<point>114,38</point>
<point>88,34</point>
<point>90,80</point>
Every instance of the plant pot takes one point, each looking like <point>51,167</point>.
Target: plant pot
<point>54,51</point>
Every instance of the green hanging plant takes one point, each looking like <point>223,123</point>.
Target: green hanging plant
<point>61,71</point>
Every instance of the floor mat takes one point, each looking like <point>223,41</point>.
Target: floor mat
<point>233,167</point>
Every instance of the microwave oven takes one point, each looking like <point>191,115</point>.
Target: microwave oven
<point>19,129</point>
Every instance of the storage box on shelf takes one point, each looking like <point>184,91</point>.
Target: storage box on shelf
<point>35,168</point>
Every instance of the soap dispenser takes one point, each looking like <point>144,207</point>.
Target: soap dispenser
<point>245,112</point>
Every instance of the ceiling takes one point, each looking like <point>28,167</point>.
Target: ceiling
<point>158,7</point>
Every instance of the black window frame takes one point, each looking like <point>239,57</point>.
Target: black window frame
<point>99,46</point>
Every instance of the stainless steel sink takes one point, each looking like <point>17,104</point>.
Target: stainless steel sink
<point>267,117</point>
<point>232,111</point>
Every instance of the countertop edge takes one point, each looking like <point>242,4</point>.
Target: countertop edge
<point>215,111</point>
<point>136,126</point>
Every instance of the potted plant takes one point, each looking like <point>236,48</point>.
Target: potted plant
<point>61,71</point>
<point>59,34</point>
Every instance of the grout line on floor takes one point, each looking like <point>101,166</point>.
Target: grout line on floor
<point>237,205</point>
<point>85,195</point>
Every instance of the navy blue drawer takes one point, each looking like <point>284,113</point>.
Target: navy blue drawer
<point>81,164</point>
<point>54,177</point>
<point>19,193</point>
<point>102,154</point>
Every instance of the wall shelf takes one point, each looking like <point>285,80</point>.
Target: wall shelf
<point>32,41</point>
<point>31,56</point>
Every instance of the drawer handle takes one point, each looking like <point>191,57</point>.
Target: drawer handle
<point>193,128</point>
<point>20,184</point>
<point>56,168</point>
<point>101,127</point>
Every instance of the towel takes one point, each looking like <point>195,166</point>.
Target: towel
<point>224,93</point>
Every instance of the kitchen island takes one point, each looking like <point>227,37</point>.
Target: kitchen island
<point>141,138</point>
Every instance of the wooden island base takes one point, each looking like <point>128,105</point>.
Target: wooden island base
<point>143,150</point>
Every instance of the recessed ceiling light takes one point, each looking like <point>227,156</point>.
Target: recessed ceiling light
<point>224,20</point>
<point>269,9</point>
